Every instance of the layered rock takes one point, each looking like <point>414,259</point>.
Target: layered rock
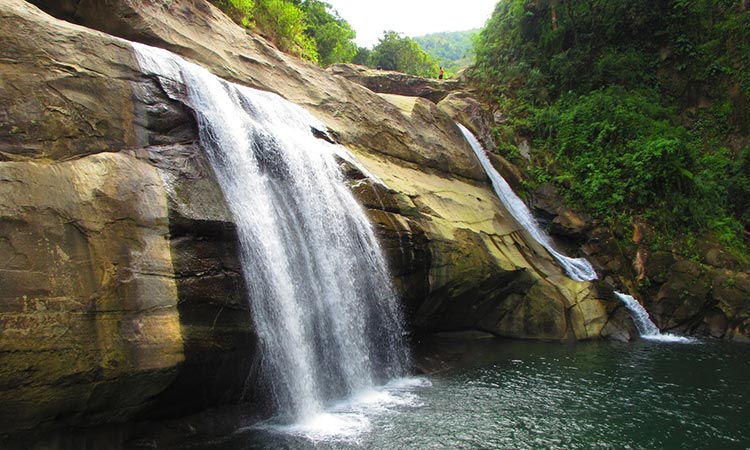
<point>396,83</point>
<point>122,255</point>
<point>120,293</point>
<point>89,318</point>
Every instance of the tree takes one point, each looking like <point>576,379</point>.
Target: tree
<point>284,23</point>
<point>402,54</point>
<point>333,36</point>
<point>307,28</point>
<point>363,57</point>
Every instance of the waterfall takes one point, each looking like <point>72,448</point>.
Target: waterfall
<point>646,328</point>
<point>578,269</point>
<point>641,319</point>
<point>322,302</point>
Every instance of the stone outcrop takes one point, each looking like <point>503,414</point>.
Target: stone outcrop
<point>562,221</point>
<point>466,110</point>
<point>117,294</point>
<point>396,83</point>
<point>706,295</point>
<point>697,298</point>
<point>122,289</point>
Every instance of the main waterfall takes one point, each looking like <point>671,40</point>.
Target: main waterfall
<point>324,308</point>
<point>578,269</point>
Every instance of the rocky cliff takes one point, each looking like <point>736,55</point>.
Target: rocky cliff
<point>121,294</point>
<point>704,296</point>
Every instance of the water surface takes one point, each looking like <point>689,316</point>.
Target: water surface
<point>525,395</point>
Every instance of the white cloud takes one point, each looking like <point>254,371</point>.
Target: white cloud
<point>411,17</point>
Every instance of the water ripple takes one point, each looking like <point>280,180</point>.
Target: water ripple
<point>643,395</point>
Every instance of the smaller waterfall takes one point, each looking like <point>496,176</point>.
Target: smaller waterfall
<point>578,269</point>
<point>641,319</point>
<point>646,328</point>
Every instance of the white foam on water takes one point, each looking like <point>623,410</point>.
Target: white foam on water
<point>349,420</point>
<point>409,382</point>
<point>671,338</point>
<point>647,329</point>
<point>332,427</point>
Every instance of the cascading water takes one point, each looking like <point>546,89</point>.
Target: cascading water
<point>322,302</point>
<point>640,316</point>
<point>578,269</point>
<point>646,328</point>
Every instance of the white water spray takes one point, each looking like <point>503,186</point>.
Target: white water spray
<point>322,302</point>
<point>578,269</point>
<point>647,329</point>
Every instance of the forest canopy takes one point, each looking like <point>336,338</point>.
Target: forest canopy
<point>403,54</point>
<point>636,108</point>
<point>313,30</point>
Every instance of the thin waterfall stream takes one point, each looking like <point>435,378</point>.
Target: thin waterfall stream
<point>324,308</point>
<point>578,269</point>
<point>647,329</point>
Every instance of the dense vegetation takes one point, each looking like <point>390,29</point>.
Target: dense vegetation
<point>312,30</point>
<point>308,28</point>
<point>453,50</point>
<point>400,53</point>
<point>636,108</point>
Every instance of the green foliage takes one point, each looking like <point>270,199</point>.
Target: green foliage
<point>624,152</point>
<point>284,23</point>
<point>334,37</point>
<point>633,105</point>
<point>739,188</point>
<point>453,50</point>
<point>363,56</point>
<point>308,28</point>
<point>241,11</point>
<point>402,54</point>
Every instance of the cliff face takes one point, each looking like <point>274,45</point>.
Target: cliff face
<point>704,296</point>
<point>122,288</point>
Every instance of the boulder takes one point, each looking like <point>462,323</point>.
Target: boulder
<point>698,299</point>
<point>563,222</point>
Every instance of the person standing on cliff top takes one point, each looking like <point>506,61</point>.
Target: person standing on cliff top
<point>440,77</point>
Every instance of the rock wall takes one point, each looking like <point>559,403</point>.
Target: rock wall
<point>704,296</point>
<point>122,289</point>
<point>89,318</point>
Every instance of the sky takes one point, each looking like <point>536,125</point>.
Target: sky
<point>370,18</point>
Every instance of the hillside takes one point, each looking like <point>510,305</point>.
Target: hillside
<point>636,114</point>
<point>634,111</point>
<point>453,50</point>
